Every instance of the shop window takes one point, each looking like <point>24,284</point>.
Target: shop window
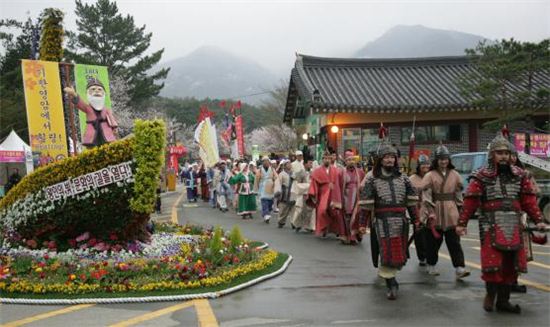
<point>432,134</point>
<point>351,139</point>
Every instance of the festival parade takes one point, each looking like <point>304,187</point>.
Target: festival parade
<point>274,163</point>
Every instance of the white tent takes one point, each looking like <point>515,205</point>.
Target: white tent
<point>14,143</point>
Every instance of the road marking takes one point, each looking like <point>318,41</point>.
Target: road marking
<point>175,209</point>
<point>205,315</point>
<point>154,314</point>
<point>46,315</point>
<point>521,280</point>
<point>343,322</point>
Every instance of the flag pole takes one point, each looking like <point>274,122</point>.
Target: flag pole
<point>412,144</point>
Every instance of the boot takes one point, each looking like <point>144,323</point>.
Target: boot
<point>503,300</point>
<point>489,301</point>
<point>392,286</point>
<point>516,288</point>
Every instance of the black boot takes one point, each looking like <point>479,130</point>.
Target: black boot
<point>392,286</point>
<point>517,288</point>
<point>503,300</point>
<point>489,301</point>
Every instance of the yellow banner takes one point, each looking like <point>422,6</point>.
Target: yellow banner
<point>44,109</point>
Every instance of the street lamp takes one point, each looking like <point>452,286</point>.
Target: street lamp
<point>305,136</point>
<point>334,129</point>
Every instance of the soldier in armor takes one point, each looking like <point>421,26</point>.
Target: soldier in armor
<point>501,191</point>
<point>388,195</point>
<point>442,201</point>
<point>422,168</point>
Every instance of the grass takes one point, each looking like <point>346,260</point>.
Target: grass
<point>277,264</point>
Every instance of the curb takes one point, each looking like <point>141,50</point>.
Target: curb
<point>207,295</point>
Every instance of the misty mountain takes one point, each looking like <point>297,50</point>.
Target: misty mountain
<point>215,73</point>
<point>404,41</point>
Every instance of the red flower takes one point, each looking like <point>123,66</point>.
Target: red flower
<point>92,242</point>
<point>72,243</point>
<point>83,277</point>
<point>113,236</point>
<point>42,275</point>
<point>52,245</point>
<point>46,257</point>
<point>41,264</point>
<point>32,244</point>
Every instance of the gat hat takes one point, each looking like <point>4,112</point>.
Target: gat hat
<point>299,153</point>
<point>94,82</point>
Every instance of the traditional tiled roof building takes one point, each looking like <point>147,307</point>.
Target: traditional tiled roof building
<point>356,95</point>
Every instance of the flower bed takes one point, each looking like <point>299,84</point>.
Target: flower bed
<point>178,260</point>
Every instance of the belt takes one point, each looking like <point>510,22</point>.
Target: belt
<point>394,209</point>
<point>443,196</point>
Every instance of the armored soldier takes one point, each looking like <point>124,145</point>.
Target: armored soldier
<point>388,195</point>
<point>501,191</point>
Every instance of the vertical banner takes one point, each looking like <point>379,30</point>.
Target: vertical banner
<point>240,135</point>
<point>44,109</point>
<point>205,136</point>
<point>84,73</point>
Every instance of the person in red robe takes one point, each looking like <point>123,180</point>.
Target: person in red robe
<point>501,192</point>
<point>205,192</point>
<point>350,177</point>
<point>326,197</point>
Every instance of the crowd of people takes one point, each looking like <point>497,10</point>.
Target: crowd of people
<point>346,200</point>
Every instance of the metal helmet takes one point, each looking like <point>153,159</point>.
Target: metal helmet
<point>423,160</point>
<point>500,143</point>
<point>384,149</point>
<point>442,152</point>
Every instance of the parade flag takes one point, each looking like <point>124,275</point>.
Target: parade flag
<point>44,109</point>
<point>83,73</point>
<point>205,136</point>
<point>240,134</point>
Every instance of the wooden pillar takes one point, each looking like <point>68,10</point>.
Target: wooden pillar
<point>473,136</point>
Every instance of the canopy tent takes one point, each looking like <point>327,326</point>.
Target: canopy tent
<point>14,154</point>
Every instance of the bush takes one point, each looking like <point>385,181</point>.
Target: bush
<point>116,213</point>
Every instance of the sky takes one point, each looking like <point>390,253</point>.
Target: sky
<point>270,32</point>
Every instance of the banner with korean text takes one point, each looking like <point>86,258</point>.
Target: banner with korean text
<point>84,73</point>
<point>44,109</point>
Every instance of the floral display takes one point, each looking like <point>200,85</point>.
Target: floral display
<point>176,258</point>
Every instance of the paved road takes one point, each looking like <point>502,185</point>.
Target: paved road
<point>327,284</point>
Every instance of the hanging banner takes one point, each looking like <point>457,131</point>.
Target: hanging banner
<point>44,109</point>
<point>83,74</point>
<point>205,136</point>
<point>176,152</point>
<point>240,135</point>
<point>540,144</point>
<point>12,156</point>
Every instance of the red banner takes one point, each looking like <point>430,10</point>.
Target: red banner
<point>240,134</point>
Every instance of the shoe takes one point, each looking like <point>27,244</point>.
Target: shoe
<point>276,210</point>
<point>292,225</point>
<point>266,219</point>
<point>489,301</point>
<point>297,230</point>
<point>392,287</point>
<point>422,263</point>
<point>461,273</point>
<point>280,225</point>
<point>503,300</point>
<point>432,271</point>
<point>516,288</point>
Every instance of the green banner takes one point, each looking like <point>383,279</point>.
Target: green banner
<point>84,73</point>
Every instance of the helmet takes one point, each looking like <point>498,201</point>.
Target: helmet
<point>442,152</point>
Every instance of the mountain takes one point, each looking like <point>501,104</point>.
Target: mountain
<point>404,41</point>
<point>215,73</point>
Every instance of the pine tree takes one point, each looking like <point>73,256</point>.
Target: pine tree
<point>106,37</point>
<point>51,40</point>
<point>506,79</point>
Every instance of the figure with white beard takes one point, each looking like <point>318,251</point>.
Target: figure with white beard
<point>100,122</point>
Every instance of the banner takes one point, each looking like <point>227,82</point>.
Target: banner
<point>176,152</point>
<point>12,156</point>
<point>240,135</point>
<point>205,136</point>
<point>44,109</point>
<point>540,144</point>
<point>83,73</point>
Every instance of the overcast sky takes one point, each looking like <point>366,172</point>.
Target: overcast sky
<point>270,32</point>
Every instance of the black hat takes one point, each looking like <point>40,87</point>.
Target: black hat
<point>94,82</point>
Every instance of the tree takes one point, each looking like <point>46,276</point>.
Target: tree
<point>506,79</point>
<point>12,99</point>
<point>51,41</point>
<point>277,97</point>
<point>107,38</point>
<point>273,138</point>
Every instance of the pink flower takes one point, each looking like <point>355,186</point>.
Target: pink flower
<point>83,237</point>
<point>101,246</point>
<point>52,245</point>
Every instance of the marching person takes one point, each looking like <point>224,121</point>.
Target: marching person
<point>388,194</point>
<point>221,185</point>
<point>501,191</point>
<point>325,196</point>
<point>442,202</point>
<point>244,181</point>
<point>303,214</point>
<point>286,203</point>
<point>422,168</point>
<point>265,184</point>
<point>351,177</point>
<point>190,177</point>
